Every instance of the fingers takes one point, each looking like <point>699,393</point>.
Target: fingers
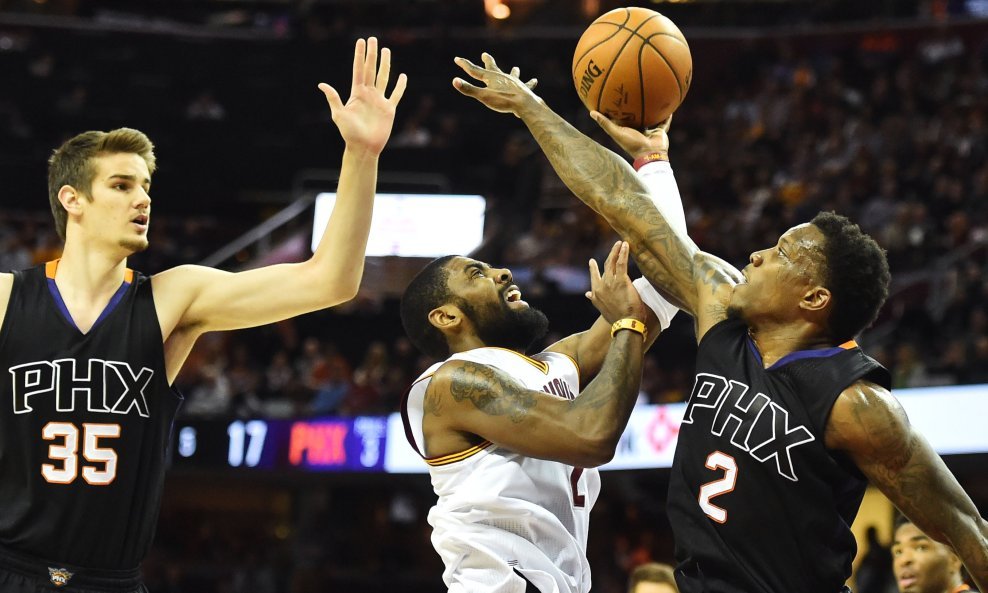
<point>531,83</point>
<point>664,126</point>
<point>489,62</point>
<point>610,264</point>
<point>370,62</point>
<point>470,68</point>
<point>359,52</point>
<point>465,87</point>
<point>332,97</point>
<point>621,267</point>
<point>594,279</point>
<point>516,72</point>
<point>384,71</point>
<point>399,91</point>
<point>604,122</point>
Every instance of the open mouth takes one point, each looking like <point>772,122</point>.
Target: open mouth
<point>141,220</point>
<point>906,580</point>
<point>512,294</point>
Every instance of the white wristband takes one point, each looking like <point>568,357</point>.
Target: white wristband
<point>662,308</point>
<point>661,182</point>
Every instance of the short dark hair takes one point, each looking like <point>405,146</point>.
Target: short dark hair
<point>855,271</point>
<point>652,572</point>
<point>427,290</point>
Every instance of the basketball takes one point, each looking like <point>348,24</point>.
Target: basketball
<point>634,66</point>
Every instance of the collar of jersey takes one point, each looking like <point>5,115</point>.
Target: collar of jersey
<point>52,267</point>
<point>800,354</point>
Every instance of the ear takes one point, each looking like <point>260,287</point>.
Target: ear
<point>447,318</point>
<point>816,298</point>
<point>70,199</point>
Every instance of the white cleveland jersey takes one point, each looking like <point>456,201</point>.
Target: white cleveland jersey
<point>500,512</point>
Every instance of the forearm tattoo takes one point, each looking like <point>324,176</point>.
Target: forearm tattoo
<point>603,181</point>
<point>491,391</point>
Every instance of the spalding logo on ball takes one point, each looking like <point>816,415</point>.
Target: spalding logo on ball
<point>634,66</point>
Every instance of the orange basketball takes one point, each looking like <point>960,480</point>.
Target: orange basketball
<point>634,66</point>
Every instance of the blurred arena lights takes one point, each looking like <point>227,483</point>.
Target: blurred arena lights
<point>497,9</point>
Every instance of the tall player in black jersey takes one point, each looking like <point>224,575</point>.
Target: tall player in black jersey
<point>91,349</point>
<point>788,419</point>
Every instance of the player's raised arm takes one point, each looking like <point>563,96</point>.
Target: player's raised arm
<point>202,299</point>
<point>603,180</point>
<point>870,426</point>
<point>478,399</point>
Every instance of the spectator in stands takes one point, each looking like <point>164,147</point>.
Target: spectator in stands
<point>922,565</point>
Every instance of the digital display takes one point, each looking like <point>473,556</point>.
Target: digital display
<point>415,225</point>
<point>325,444</point>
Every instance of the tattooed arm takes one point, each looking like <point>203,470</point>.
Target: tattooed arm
<point>870,426</point>
<point>467,398</point>
<point>693,279</point>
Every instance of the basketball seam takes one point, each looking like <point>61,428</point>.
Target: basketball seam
<point>636,34</point>
<point>603,82</point>
<point>627,17</point>
<point>675,74</point>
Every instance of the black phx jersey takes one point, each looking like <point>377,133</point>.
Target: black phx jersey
<point>757,502</point>
<point>84,426</point>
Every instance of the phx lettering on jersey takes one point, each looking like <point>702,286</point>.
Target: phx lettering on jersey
<point>756,424</point>
<point>108,386</point>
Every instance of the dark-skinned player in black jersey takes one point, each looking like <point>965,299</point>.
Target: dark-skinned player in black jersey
<point>788,420</point>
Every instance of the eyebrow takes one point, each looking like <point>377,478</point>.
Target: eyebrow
<point>475,265</point>
<point>129,178</point>
<point>914,538</point>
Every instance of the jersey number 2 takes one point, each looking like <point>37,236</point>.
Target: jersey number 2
<point>66,451</point>
<point>579,500</point>
<point>718,460</point>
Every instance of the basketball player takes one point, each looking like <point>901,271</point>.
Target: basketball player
<point>652,577</point>
<point>91,348</point>
<point>788,419</point>
<point>508,437</point>
<point>922,565</point>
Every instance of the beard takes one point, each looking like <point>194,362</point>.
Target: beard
<point>504,327</point>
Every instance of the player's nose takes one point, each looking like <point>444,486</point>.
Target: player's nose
<point>503,275</point>
<point>755,258</point>
<point>143,201</point>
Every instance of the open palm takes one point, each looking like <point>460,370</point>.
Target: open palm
<point>365,121</point>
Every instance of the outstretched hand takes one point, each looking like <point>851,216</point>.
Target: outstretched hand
<point>503,92</point>
<point>612,292</point>
<point>365,121</point>
<point>634,142</point>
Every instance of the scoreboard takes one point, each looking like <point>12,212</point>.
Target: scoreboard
<point>322,444</point>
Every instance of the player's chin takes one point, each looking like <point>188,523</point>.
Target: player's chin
<point>135,244</point>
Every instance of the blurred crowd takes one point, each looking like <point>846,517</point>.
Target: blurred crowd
<point>888,128</point>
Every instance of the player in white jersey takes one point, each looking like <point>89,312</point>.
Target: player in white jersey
<point>507,436</point>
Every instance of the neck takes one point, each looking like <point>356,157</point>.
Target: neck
<point>776,341</point>
<point>89,272</point>
<point>464,343</point>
